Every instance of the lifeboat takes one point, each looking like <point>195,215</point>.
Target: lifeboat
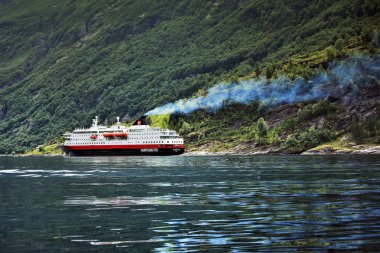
<point>121,135</point>
<point>94,136</point>
<point>109,135</point>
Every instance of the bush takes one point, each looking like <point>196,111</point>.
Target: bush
<point>273,137</point>
<point>366,128</point>
<point>366,34</point>
<point>161,121</point>
<point>291,144</point>
<point>185,128</point>
<point>261,131</point>
<point>262,128</point>
<point>331,53</point>
<point>314,110</point>
<point>339,44</point>
<point>269,71</point>
<point>311,138</point>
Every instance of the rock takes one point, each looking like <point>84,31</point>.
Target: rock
<point>374,150</point>
<point>330,150</point>
<point>321,122</point>
<point>326,150</point>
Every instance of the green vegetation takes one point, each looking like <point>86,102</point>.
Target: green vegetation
<point>161,121</point>
<point>308,139</point>
<point>261,130</point>
<point>366,128</point>
<point>52,149</point>
<point>63,62</point>
<point>288,128</point>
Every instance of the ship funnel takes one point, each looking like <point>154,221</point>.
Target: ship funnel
<point>141,121</point>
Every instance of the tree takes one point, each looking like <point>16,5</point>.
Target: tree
<point>257,70</point>
<point>298,40</point>
<point>330,53</point>
<point>366,34</point>
<point>339,44</point>
<point>269,71</point>
<point>262,128</point>
<point>185,128</point>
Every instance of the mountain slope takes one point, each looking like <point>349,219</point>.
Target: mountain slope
<point>65,61</point>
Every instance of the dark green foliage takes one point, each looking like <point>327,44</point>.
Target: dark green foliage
<point>63,62</point>
<point>308,139</point>
<point>339,44</point>
<point>261,131</point>
<point>308,113</point>
<point>366,34</point>
<point>185,128</point>
<point>314,110</point>
<point>269,71</point>
<point>262,128</point>
<point>366,128</point>
<point>331,53</point>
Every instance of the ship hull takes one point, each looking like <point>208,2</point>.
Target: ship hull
<point>124,150</point>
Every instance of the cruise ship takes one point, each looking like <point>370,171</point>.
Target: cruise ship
<point>138,139</point>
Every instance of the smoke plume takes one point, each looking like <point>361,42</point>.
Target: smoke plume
<point>341,78</point>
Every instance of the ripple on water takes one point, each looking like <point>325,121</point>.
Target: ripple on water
<point>192,204</point>
<point>120,201</point>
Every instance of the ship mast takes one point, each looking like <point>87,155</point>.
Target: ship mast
<point>95,122</point>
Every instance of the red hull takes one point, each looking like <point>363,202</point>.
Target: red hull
<point>137,149</point>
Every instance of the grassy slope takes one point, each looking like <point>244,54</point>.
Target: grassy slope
<point>292,128</point>
<point>65,61</point>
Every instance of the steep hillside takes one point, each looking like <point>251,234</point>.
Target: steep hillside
<point>335,111</point>
<point>62,62</point>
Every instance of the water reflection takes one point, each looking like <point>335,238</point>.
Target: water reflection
<point>190,204</point>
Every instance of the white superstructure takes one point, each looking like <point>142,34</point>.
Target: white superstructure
<point>120,135</point>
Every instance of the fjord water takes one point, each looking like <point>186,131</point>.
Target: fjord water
<point>190,204</point>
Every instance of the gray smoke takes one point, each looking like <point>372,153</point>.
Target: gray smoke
<point>342,77</point>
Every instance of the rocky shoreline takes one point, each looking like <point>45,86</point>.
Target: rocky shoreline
<point>355,150</point>
<point>320,150</point>
<point>325,149</point>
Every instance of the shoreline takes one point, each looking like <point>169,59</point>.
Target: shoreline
<point>325,149</point>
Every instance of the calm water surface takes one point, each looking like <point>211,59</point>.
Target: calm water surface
<point>190,204</point>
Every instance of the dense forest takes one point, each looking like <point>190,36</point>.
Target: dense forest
<point>63,62</point>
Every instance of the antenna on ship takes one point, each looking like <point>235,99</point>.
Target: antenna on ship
<point>95,121</point>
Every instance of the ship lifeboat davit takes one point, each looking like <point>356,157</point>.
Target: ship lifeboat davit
<point>94,136</point>
<point>109,135</point>
<point>121,135</point>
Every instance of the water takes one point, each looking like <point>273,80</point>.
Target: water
<point>190,204</point>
